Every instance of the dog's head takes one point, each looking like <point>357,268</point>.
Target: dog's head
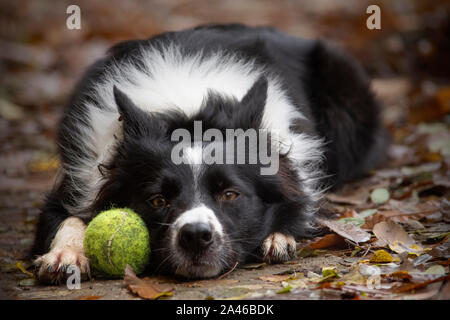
<point>203,216</point>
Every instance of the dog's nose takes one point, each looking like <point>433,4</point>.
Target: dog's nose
<point>195,236</point>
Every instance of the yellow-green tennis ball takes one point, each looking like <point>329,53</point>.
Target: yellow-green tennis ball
<point>115,238</point>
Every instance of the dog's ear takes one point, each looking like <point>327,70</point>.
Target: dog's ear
<point>252,105</point>
<point>136,123</point>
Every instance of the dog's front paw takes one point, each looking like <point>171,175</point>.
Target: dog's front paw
<point>278,247</point>
<point>53,266</point>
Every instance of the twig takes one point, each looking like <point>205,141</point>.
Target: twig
<point>367,251</point>
<point>228,272</point>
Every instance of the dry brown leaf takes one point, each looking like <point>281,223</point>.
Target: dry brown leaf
<point>390,231</point>
<point>400,275</point>
<point>346,230</point>
<point>356,197</point>
<point>395,237</point>
<point>395,215</point>
<point>145,288</point>
<point>415,286</point>
<point>327,241</point>
<point>400,211</point>
<point>349,213</point>
<point>412,207</point>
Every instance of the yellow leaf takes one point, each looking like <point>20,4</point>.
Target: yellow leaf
<point>381,256</point>
<point>19,265</point>
<point>329,273</point>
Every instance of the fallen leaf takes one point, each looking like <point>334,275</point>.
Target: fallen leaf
<point>414,224</point>
<point>346,230</point>
<point>407,212</point>
<point>400,247</point>
<point>19,265</point>
<point>306,251</point>
<point>356,221</point>
<point>312,275</point>
<point>415,286</point>
<point>327,241</point>
<point>393,235</point>
<point>379,196</point>
<point>145,288</point>
<point>298,283</point>
<point>413,207</point>
<point>436,269</point>
<point>364,290</point>
<point>274,278</point>
<point>441,251</point>
<point>422,259</point>
<point>329,273</point>
<point>367,213</point>
<point>400,275</point>
<point>285,290</point>
<point>381,256</point>
<point>358,274</point>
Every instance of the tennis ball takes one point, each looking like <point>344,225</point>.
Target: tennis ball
<point>115,238</point>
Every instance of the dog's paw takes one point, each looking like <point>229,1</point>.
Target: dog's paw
<point>53,266</point>
<point>278,247</point>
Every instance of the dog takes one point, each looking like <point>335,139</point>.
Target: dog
<point>116,146</point>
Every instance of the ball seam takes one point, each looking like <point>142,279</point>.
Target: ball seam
<point>124,215</point>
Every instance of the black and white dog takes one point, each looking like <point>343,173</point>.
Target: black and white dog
<point>116,146</point>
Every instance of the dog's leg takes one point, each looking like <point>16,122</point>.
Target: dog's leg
<point>66,249</point>
<point>278,247</point>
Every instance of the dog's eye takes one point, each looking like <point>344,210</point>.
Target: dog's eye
<point>158,201</point>
<point>228,195</point>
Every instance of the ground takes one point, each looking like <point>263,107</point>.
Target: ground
<point>388,238</point>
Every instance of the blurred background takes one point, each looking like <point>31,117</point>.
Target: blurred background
<point>40,60</point>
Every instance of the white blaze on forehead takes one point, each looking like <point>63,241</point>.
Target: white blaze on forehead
<point>200,214</point>
<point>193,155</point>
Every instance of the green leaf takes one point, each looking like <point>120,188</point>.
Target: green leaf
<point>380,195</point>
<point>19,265</point>
<point>367,213</point>
<point>306,252</point>
<point>329,273</point>
<point>436,269</point>
<point>285,290</point>
<point>356,221</point>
